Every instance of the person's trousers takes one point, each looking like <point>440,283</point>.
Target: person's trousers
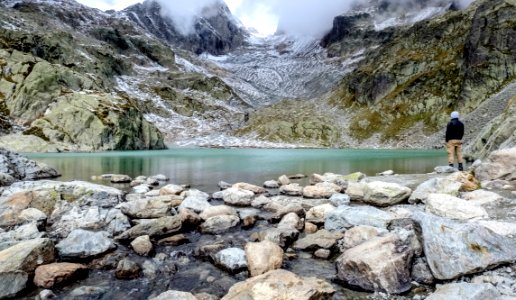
<point>454,146</point>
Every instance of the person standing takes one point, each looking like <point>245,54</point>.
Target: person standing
<point>454,134</point>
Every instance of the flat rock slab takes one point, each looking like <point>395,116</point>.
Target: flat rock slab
<point>281,284</point>
<point>321,239</point>
<point>47,276</point>
<point>158,227</point>
<point>347,216</point>
<point>83,244</point>
<point>454,208</point>
<point>219,224</point>
<point>454,249</point>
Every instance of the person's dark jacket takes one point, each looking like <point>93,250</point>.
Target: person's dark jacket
<point>454,130</point>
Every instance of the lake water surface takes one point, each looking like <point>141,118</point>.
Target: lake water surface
<point>204,168</point>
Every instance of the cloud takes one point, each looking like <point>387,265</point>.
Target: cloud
<point>109,4</point>
<point>184,14</point>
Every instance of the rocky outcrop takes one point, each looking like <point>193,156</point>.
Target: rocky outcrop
<point>500,164</point>
<point>21,168</point>
<point>215,32</point>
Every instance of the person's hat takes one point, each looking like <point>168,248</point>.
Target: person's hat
<point>455,115</point>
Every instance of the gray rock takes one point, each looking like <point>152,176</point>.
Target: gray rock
<point>500,164</point>
<point>380,265</point>
<point>346,217</point>
<point>141,189</point>
<point>154,228</point>
<point>84,244</point>
<point>171,189</point>
<point>6,179</point>
<point>445,169</point>
<point>238,196</point>
<point>219,224</point>
<point>20,261</point>
<point>435,186</point>
<point>360,234</point>
<point>481,197</point>
<point>465,291</point>
<point>282,237</point>
<point>292,221</point>
<point>224,185</point>
<point>120,178</point>
<point>385,193</point>
<point>196,201</point>
<point>318,214</point>
<point>46,295</point>
<point>160,177</point>
<point>176,295</point>
<point>263,257</point>
<point>469,248</point>
<point>321,239</point>
<point>127,269</point>
<point>218,210</point>
<point>293,189</point>
<point>339,199</point>
<point>421,272</point>
<point>284,180</point>
<point>271,184</point>
<point>147,208</point>
<point>22,233</point>
<point>142,245</point>
<point>356,190</point>
<point>250,187</point>
<point>67,217</point>
<point>321,190</point>
<point>22,168</point>
<point>232,260</point>
<point>218,195</point>
<point>322,253</point>
<point>33,215</point>
<point>88,292</point>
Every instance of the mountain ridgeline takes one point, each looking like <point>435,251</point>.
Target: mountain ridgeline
<point>73,78</point>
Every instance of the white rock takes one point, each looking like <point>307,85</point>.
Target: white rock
<point>345,217</point>
<point>385,193</point>
<point>339,199</point>
<point>238,197</point>
<point>453,207</point>
<point>263,257</point>
<point>142,245</point>
<point>174,295</point>
<point>318,214</point>
<point>481,197</point>
<point>360,234</point>
<point>501,228</point>
<point>218,210</point>
<point>232,260</point>
<point>463,290</point>
<point>196,201</point>
<point>84,244</point>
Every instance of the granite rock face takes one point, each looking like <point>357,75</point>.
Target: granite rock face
<point>19,167</point>
<point>84,244</point>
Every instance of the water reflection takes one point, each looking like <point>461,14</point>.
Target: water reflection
<point>203,168</point>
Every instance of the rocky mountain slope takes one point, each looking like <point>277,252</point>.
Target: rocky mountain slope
<point>92,80</point>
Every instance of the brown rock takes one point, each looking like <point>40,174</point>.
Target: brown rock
<point>142,245</point>
<point>250,187</point>
<point>248,222</point>
<point>263,257</point>
<point>175,240</point>
<point>468,181</point>
<point>127,269</point>
<point>48,276</point>
<point>310,228</point>
<point>322,253</point>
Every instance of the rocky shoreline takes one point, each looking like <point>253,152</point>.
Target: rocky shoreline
<point>445,235</point>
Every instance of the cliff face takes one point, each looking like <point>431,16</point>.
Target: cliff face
<point>423,72</point>
<point>216,32</point>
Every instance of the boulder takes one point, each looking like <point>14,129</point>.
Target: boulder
<point>321,239</point>
<point>469,248</point>
<point>67,217</point>
<point>21,168</point>
<point>468,182</point>
<point>33,215</point>
<point>127,269</point>
<point>196,201</point>
<point>318,214</point>
<point>454,208</point>
<point>435,186</point>
<point>22,233</point>
<point>356,190</point>
<point>148,208</point>
<point>283,237</point>
<point>464,290</point>
<point>360,234</point>
<point>19,262</point>
<point>339,199</point>
<point>381,264</point>
<point>85,244</point>
<point>481,197</point>
<point>322,253</point>
<point>232,260</point>
<point>175,295</point>
<point>219,224</point>
<point>189,218</point>
<point>500,164</point>
<point>142,245</point>
<point>219,210</point>
<point>263,257</point>
<point>284,180</point>
<point>293,189</point>
<point>281,209</point>
<point>292,221</point>
<point>385,193</point>
<point>171,189</point>
<point>280,284</point>
<point>156,227</point>
<point>346,217</point>
<point>249,187</point>
<point>238,197</point>
<point>321,190</point>
<point>120,178</point>
<point>271,184</point>
<point>48,276</point>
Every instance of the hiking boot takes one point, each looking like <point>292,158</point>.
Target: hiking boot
<point>461,168</point>
<point>451,165</point>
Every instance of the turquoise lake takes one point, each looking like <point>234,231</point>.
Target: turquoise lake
<point>204,168</point>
